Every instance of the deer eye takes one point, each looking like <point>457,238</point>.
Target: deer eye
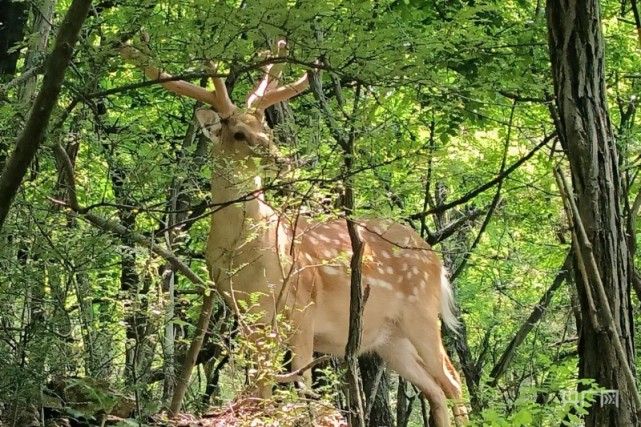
<point>239,136</point>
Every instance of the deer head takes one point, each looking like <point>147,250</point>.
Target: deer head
<point>238,134</point>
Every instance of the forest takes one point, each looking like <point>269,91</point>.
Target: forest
<point>346,213</point>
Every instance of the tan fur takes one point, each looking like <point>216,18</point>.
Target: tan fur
<point>301,269</point>
<point>308,278</point>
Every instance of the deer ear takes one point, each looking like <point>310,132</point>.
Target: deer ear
<point>209,122</point>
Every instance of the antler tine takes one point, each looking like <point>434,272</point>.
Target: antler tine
<point>218,99</point>
<point>283,93</point>
<point>269,80</point>
<point>220,91</point>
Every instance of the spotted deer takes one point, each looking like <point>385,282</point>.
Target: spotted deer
<point>301,268</point>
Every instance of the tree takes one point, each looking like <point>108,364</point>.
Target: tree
<point>102,267</point>
<point>14,18</point>
<point>578,69</point>
<point>33,134</point>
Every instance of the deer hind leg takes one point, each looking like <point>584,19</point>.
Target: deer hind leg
<point>400,355</point>
<point>460,410</point>
<point>428,344</point>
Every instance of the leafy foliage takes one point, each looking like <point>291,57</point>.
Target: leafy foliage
<point>441,97</point>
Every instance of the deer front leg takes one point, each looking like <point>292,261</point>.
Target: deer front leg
<point>302,346</point>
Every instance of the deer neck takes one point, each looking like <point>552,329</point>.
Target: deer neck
<point>239,207</point>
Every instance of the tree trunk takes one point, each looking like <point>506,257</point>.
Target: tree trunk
<point>376,387</point>
<point>33,134</point>
<point>576,52</point>
<point>13,18</point>
<point>37,47</point>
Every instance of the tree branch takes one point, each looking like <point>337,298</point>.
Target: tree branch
<point>536,315</point>
<point>29,141</point>
<point>469,196</point>
<point>115,227</point>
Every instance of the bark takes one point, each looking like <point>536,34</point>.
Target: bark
<point>14,18</point>
<point>192,354</point>
<point>345,140</point>
<point>356,416</point>
<point>41,28</point>
<point>180,203</point>
<point>29,141</point>
<point>576,53</point>
<point>376,386</point>
<point>135,317</point>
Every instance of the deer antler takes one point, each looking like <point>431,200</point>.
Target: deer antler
<point>267,92</point>
<point>218,99</point>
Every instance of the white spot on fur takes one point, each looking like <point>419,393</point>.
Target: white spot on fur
<point>325,239</point>
<point>327,253</point>
<point>331,270</point>
<point>423,285</point>
<point>380,283</point>
<point>313,240</point>
<point>389,270</point>
<point>400,295</point>
<point>415,269</point>
<point>386,255</point>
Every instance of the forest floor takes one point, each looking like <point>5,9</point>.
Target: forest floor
<point>242,412</point>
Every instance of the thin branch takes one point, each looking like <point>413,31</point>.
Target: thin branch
<point>536,315</point>
<point>115,227</point>
<point>119,230</point>
<point>451,228</point>
<point>296,375</point>
<point>21,78</point>
<point>495,201</point>
<point>469,196</point>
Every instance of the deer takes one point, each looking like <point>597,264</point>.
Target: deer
<point>301,267</point>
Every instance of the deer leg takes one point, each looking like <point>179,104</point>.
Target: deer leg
<point>302,345</point>
<point>255,334</point>
<point>400,355</point>
<point>428,344</point>
<point>460,410</point>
